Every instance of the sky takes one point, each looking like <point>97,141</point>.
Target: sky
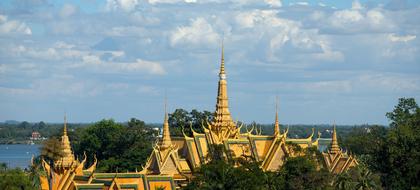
<point>325,60</point>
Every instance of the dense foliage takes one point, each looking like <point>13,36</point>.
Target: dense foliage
<point>16,179</point>
<point>392,152</point>
<point>302,172</point>
<point>118,147</point>
<point>181,119</point>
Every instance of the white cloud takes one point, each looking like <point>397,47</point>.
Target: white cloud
<point>390,82</point>
<point>329,86</point>
<point>94,62</point>
<point>140,65</point>
<point>375,17</point>
<point>322,4</point>
<point>63,45</point>
<point>199,32</point>
<point>126,31</point>
<point>357,20</point>
<point>285,34</point>
<point>328,54</point>
<point>3,68</point>
<point>67,10</point>
<point>8,27</point>
<point>396,38</point>
<point>342,17</point>
<point>273,3</point>
<point>302,3</point>
<point>125,5</point>
<point>91,59</point>
<point>171,1</point>
<point>356,5</point>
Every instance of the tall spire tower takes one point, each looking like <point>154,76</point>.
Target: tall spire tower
<point>223,124</point>
<point>335,148</point>
<point>166,135</point>
<point>276,124</point>
<point>67,155</point>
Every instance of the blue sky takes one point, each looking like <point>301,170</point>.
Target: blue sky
<point>343,61</point>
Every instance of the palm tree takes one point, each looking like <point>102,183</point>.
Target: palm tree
<point>51,150</point>
<point>365,180</point>
<point>3,167</point>
<point>35,172</point>
<point>343,181</point>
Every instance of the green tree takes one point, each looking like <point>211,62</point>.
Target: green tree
<point>178,119</point>
<point>118,147</point>
<point>51,150</point>
<point>343,181</point>
<point>220,173</point>
<point>181,118</point>
<point>35,171</point>
<point>366,180</point>
<point>14,179</point>
<point>398,159</point>
<point>3,167</point>
<point>405,113</point>
<point>301,173</point>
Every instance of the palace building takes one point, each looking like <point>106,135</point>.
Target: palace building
<point>174,159</point>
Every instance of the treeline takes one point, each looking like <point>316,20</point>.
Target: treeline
<point>20,132</point>
<point>179,120</point>
<point>389,156</point>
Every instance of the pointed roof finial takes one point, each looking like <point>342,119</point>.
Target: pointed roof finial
<point>335,148</point>
<point>276,124</point>
<point>222,72</point>
<point>65,124</point>
<point>166,135</point>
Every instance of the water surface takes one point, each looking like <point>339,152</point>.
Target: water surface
<point>18,155</point>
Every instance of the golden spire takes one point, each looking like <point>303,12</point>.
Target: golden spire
<point>334,142</point>
<point>65,125</point>
<point>222,73</point>
<point>276,124</point>
<point>166,135</point>
<point>223,124</point>
<point>67,158</point>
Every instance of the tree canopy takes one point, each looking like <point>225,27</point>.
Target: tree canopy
<point>392,152</point>
<point>117,147</point>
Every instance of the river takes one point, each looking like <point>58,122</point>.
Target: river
<point>18,155</point>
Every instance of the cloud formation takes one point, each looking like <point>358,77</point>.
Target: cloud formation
<point>12,27</point>
<point>350,62</point>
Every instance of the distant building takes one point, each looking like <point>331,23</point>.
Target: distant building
<point>35,136</point>
<point>174,159</point>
